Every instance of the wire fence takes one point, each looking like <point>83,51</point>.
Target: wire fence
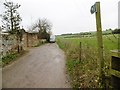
<point>86,72</point>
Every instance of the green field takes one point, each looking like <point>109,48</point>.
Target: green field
<point>84,73</point>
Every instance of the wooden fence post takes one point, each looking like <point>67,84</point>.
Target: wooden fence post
<point>80,54</point>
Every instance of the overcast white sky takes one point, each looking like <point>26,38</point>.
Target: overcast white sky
<point>68,16</point>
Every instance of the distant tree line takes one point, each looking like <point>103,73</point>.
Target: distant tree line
<point>106,32</point>
<point>116,31</point>
<point>85,33</point>
<point>66,34</point>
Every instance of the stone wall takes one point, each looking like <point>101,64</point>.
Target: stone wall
<point>9,43</point>
<point>32,39</point>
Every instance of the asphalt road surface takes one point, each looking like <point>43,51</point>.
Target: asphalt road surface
<point>42,67</point>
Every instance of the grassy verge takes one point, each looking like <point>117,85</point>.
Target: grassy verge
<point>84,73</point>
<point>11,58</point>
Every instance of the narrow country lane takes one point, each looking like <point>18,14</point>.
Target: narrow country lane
<point>42,67</point>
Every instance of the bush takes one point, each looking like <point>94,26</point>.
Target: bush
<point>7,59</point>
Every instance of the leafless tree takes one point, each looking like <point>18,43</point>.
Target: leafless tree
<point>44,27</point>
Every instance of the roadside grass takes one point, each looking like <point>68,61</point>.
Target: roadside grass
<point>84,73</point>
<point>11,58</point>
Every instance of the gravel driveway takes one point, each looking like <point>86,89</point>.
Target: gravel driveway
<point>42,67</point>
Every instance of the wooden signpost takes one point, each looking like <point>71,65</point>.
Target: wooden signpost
<point>115,59</point>
<point>96,9</point>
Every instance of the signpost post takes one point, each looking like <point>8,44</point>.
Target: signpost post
<point>96,9</point>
